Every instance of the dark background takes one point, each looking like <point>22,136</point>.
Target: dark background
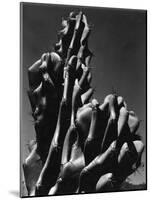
<point>118,41</point>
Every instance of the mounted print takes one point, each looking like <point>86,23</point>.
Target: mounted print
<point>83,99</point>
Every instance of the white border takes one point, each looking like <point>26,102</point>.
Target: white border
<point>9,97</point>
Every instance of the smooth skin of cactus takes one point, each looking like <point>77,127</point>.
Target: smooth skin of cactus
<point>81,145</point>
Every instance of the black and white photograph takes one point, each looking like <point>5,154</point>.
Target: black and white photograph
<point>83,89</point>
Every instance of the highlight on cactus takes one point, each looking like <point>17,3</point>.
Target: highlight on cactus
<point>82,144</point>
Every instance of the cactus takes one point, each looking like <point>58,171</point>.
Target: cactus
<point>81,146</point>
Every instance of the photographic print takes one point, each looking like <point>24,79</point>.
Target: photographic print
<point>83,99</point>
